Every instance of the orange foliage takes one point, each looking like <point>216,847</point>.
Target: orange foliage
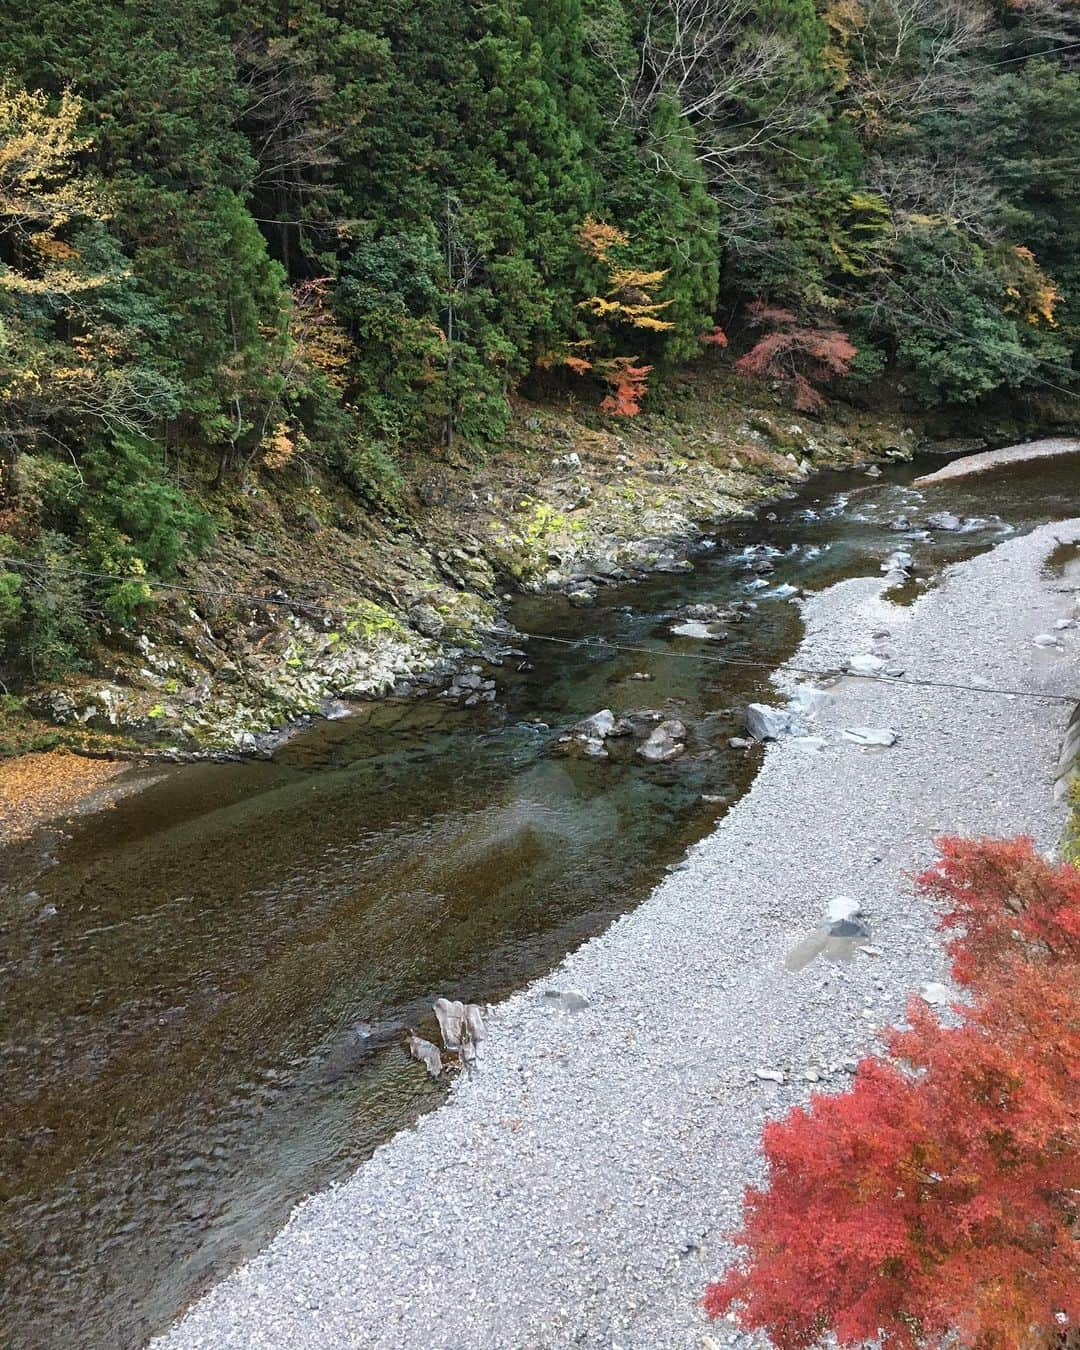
<point>629,385</point>
<point>935,1203</point>
<point>715,338</point>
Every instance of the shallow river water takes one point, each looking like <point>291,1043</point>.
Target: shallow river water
<point>203,1002</point>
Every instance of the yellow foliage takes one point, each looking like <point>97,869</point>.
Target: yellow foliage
<point>1034,294</point>
<point>654,325</point>
<point>843,18</point>
<point>42,191</point>
<point>278,447</point>
<point>598,238</point>
<point>630,278</point>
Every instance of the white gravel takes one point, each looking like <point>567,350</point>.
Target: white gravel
<point>995,459</point>
<point>576,1190</point>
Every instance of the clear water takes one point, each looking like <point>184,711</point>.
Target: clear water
<point>181,1061</point>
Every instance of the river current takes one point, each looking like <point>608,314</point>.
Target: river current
<point>203,1002</point>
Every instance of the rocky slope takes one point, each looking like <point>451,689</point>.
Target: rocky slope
<point>309,598</point>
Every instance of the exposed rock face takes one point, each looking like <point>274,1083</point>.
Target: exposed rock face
<point>348,611</point>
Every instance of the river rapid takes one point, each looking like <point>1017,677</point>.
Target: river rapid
<point>204,997</point>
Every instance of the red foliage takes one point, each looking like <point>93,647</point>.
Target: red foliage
<point>716,337</point>
<point>1010,903</point>
<point>937,1198</point>
<point>629,385</point>
<point>803,356</point>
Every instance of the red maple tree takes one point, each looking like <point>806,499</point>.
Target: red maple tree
<point>800,355</point>
<point>935,1202</point>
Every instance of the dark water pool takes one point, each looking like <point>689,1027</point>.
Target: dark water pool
<point>181,1059</point>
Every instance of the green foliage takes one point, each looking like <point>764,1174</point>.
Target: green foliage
<point>52,635</point>
<point>372,473</point>
<point>10,602</point>
<point>136,519</point>
<point>347,233</point>
<point>947,310</point>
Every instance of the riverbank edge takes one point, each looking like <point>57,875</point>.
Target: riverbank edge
<point>565,508</point>
<point>218,673</point>
<point>607,1149</point>
<point>1057,447</point>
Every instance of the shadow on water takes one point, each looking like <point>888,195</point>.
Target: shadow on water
<point>203,1003</point>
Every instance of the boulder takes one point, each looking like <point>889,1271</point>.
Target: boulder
<point>943,520</point>
<point>668,562</point>
<point>702,631</point>
<point>706,613</point>
<point>842,907</point>
<point>600,725</point>
<point>884,736</point>
<point>666,742</point>
<point>583,596</point>
<point>864,664</point>
<point>898,561</point>
<point>767,724</point>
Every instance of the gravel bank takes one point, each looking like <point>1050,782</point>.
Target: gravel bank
<point>575,1192</point>
<point>996,459</point>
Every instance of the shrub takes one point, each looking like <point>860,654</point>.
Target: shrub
<point>793,352</point>
<point>51,636</point>
<point>134,500</point>
<point>936,1201</point>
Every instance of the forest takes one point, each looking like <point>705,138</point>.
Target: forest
<point>237,234</point>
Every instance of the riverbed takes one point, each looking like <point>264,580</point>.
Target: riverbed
<point>206,989</point>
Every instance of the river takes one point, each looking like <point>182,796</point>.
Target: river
<point>204,1000</point>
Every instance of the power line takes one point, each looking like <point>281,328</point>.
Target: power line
<point>912,681</point>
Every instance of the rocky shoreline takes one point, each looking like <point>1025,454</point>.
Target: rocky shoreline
<point>594,1162</point>
<point>232,666</point>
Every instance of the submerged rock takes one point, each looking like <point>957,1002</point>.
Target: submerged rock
<point>666,742</point>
